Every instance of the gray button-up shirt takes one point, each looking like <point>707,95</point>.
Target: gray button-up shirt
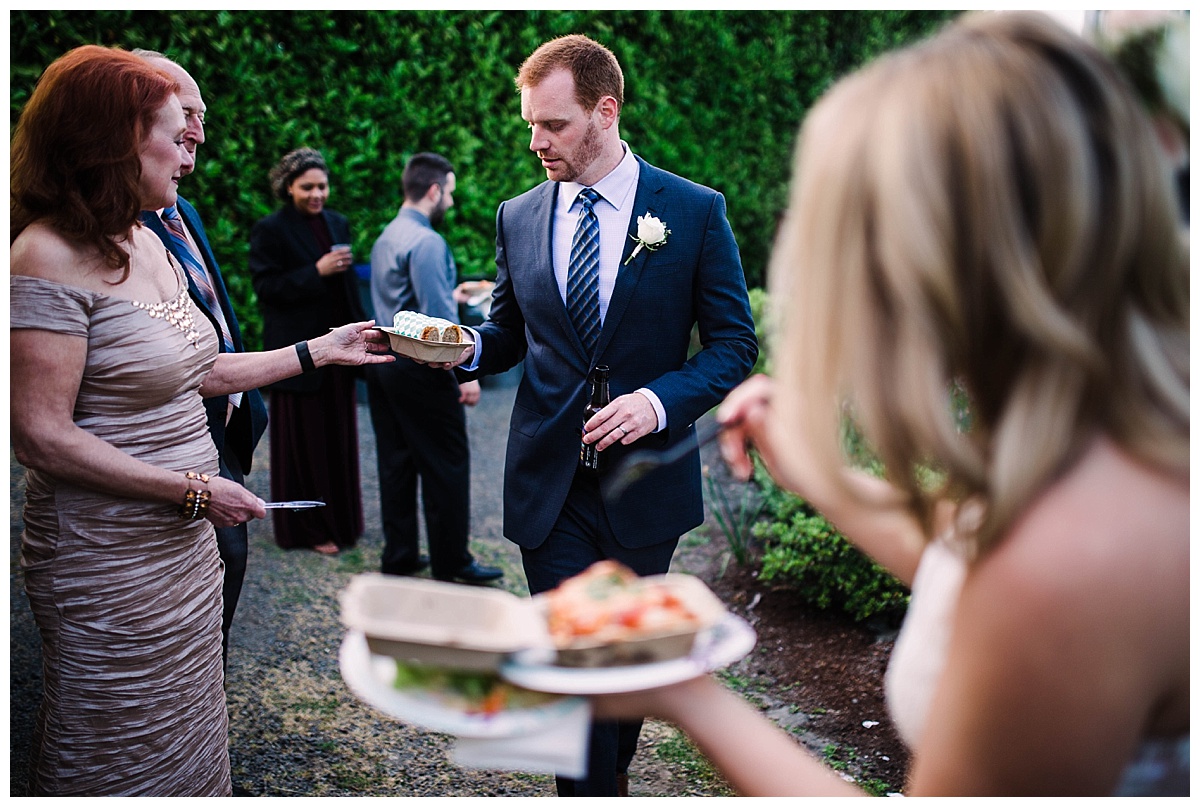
<point>412,269</point>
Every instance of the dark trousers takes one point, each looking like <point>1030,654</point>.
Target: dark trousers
<point>581,536</point>
<point>421,434</point>
<point>233,545</point>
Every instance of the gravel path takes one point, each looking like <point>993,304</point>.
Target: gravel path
<point>295,729</point>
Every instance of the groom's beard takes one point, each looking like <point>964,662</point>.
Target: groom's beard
<point>586,153</point>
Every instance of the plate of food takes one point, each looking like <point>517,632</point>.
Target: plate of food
<point>425,338</point>
<point>477,291</point>
<point>718,646</point>
<point>464,703</point>
<point>613,631</point>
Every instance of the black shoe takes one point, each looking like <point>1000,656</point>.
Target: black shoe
<point>407,571</point>
<point>473,572</point>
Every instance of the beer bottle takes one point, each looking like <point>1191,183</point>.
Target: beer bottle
<point>589,456</point>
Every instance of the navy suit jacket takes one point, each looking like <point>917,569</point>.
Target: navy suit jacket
<point>249,420</point>
<point>696,278</point>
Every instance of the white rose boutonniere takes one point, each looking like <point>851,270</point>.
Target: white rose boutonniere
<point>651,234</point>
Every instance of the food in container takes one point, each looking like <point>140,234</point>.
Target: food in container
<point>416,325</point>
<point>608,616</point>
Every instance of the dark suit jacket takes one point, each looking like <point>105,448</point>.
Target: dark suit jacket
<point>294,298</point>
<point>696,278</point>
<point>249,420</point>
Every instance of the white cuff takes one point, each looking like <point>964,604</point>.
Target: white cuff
<point>473,364</point>
<point>658,408</point>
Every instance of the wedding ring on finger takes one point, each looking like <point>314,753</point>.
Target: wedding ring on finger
<point>623,432</point>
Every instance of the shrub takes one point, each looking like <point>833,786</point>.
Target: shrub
<point>735,516</point>
<point>810,555</point>
<point>716,96</point>
<point>762,327</point>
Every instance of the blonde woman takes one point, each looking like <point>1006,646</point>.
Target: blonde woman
<point>989,211</point>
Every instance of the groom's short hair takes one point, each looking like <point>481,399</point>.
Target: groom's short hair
<point>593,66</point>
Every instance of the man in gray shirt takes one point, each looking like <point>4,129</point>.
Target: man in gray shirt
<point>417,411</point>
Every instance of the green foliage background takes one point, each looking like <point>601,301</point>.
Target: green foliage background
<point>713,96</point>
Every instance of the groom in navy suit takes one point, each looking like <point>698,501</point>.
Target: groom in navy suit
<point>235,422</point>
<point>575,288</point>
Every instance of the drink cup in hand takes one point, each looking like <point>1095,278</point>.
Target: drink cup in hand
<point>344,260</point>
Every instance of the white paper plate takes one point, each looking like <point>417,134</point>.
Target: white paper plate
<point>719,646</point>
<point>370,678</point>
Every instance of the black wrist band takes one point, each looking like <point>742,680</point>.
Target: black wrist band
<point>306,360</point>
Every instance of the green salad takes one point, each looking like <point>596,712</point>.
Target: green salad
<point>470,691</point>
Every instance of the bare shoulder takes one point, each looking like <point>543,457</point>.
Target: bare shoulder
<point>1111,526</point>
<point>41,251</point>
<point>1071,639</point>
<point>1095,576</point>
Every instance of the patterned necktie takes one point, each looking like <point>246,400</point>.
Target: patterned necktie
<point>583,274</point>
<point>195,269</point>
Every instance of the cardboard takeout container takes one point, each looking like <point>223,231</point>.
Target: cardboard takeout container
<point>422,350</point>
<point>443,624</point>
<point>421,621</point>
<point>652,647</point>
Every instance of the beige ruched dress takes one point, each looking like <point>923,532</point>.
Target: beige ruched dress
<point>126,595</point>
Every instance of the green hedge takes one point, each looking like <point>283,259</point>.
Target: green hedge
<point>714,96</point>
<point>804,551</point>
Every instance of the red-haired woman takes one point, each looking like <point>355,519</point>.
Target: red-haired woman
<point>110,360</point>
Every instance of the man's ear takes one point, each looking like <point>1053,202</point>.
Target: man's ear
<point>608,110</point>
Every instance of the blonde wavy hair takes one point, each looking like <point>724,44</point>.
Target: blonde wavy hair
<point>986,211</point>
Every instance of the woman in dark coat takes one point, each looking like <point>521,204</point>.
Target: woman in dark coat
<point>299,257</point>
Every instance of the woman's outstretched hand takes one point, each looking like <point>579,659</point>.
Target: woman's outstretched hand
<point>355,344</point>
<point>666,702</point>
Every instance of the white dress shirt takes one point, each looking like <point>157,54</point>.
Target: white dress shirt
<point>613,211</point>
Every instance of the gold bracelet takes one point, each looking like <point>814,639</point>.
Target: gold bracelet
<point>195,502</point>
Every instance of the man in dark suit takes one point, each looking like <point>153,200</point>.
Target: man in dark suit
<point>236,422</point>
<point>654,280</point>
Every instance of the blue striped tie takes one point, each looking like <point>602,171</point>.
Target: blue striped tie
<point>583,274</point>
<point>196,271</point>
